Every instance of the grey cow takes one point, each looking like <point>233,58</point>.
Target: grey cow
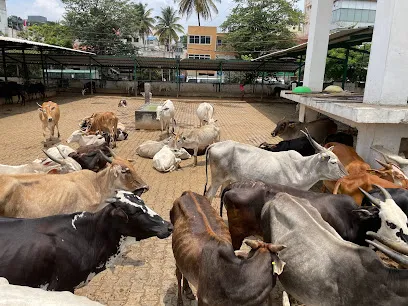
<point>323,269</point>
<point>231,161</point>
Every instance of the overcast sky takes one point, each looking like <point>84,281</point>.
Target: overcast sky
<point>54,9</point>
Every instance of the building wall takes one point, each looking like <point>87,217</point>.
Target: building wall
<point>3,17</point>
<point>202,48</point>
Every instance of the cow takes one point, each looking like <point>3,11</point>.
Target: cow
<point>340,137</point>
<point>104,122</point>
<point>165,160</point>
<point>122,103</point>
<point>49,114</point>
<point>323,269</point>
<point>205,113</point>
<point>165,114</point>
<point>400,196</point>
<point>13,295</point>
<point>33,90</point>
<point>198,138</point>
<point>301,145</point>
<point>90,157</point>
<point>40,195</point>
<point>64,252</point>
<point>205,258</point>
<point>121,135</point>
<point>86,140</point>
<point>149,148</point>
<point>319,129</point>
<point>34,167</point>
<point>87,87</point>
<point>232,161</point>
<point>244,201</point>
<point>68,164</point>
<point>10,89</point>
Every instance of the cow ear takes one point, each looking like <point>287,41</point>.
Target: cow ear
<point>277,264</point>
<point>364,214</point>
<point>53,171</point>
<point>120,214</point>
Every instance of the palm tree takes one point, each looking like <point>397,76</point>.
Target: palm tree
<point>167,26</point>
<point>146,21</point>
<point>202,8</point>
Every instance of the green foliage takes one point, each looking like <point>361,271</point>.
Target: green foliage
<point>146,22</point>
<point>101,25</point>
<point>49,33</point>
<point>15,23</point>
<point>261,25</point>
<point>167,26</point>
<point>357,64</point>
<point>202,8</point>
<point>183,40</point>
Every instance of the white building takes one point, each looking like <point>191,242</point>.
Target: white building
<point>3,17</point>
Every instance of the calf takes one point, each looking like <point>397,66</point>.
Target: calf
<point>49,114</point>
<point>205,113</point>
<point>104,122</point>
<point>319,129</point>
<point>198,138</point>
<point>301,145</point>
<point>64,252</point>
<point>232,161</point>
<point>85,140</point>
<point>165,160</point>
<point>122,103</point>
<point>165,113</point>
<point>205,257</point>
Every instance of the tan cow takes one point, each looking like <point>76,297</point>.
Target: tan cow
<point>39,195</point>
<point>49,114</point>
<point>104,122</point>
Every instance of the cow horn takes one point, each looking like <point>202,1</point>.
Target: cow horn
<point>62,153</point>
<point>314,143</point>
<point>372,199</point>
<point>385,192</point>
<point>401,248</point>
<point>39,105</point>
<point>61,162</point>
<point>385,165</point>
<point>113,153</point>
<point>399,258</point>
<point>108,159</point>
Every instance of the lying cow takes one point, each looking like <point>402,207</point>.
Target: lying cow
<point>318,129</point>
<point>301,145</point>
<point>198,138</point>
<point>165,114</point>
<point>165,160</point>
<point>232,161</point>
<point>122,103</point>
<point>40,195</point>
<point>49,114</point>
<point>205,112</point>
<point>323,269</point>
<point>61,253</point>
<point>205,257</point>
<point>91,157</point>
<point>106,122</point>
<point>85,140</point>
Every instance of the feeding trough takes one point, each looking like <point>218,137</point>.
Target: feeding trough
<point>145,117</point>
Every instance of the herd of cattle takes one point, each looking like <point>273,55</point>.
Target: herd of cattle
<point>321,246</point>
<point>22,91</point>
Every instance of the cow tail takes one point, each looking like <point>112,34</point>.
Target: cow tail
<point>222,197</point>
<point>207,152</point>
<point>337,186</point>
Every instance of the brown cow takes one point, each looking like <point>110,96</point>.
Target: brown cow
<point>205,257</point>
<point>40,195</point>
<point>49,114</point>
<point>104,122</point>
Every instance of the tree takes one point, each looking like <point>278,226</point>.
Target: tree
<point>261,26</point>
<point>49,33</point>
<point>146,23</point>
<point>15,23</point>
<point>202,8</point>
<point>167,26</point>
<point>102,26</point>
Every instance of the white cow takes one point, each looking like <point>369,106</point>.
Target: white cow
<point>149,148</point>
<point>165,114</point>
<point>165,160</point>
<point>205,112</point>
<point>12,295</point>
<point>231,161</point>
<point>85,140</point>
<point>198,138</point>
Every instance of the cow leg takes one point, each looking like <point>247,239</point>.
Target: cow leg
<point>195,156</point>
<point>179,294</point>
<point>187,289</point>
<point>59,135</point>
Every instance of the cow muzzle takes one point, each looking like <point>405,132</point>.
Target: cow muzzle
<point>166,233</point>
<point>49,119</point>
<point>141,190</point>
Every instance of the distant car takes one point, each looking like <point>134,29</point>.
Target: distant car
<point>274,85</point>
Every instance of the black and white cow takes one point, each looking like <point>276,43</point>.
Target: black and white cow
<point>64,252</point>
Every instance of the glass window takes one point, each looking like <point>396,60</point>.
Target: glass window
<point>202,40</point>
<point>358,15</point>
<point>371,16</point>
<point>219,42</point>
<point>208,40</point>
<point>196,39</point>
<point>365,16</point>
<point>191,39</point>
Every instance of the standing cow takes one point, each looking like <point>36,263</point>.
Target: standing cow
<point>49,114</point>
<point>104,122</point>
<point>165,114</point>
<point>205,112</point>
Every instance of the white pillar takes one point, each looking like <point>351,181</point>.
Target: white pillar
<point>317,44</point>
<point>387,76</point>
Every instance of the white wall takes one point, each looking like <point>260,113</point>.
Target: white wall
<point>356,4</point>
<point>3,17</point>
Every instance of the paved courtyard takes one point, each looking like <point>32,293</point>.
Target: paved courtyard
<point>145,276</point>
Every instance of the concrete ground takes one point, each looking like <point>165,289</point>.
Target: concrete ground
<point>146,275</point>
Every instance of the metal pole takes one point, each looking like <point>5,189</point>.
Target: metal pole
<point>345,66</point>
<point>90,73</point>
<point>4,64</point>
<point>263,77</point>
<point>220,77</point>
<point>25,66</point>
<point>300,68</point>
<point>135,76</point>
<point>178,76</point>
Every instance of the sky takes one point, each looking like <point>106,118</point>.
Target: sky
<point>54,9</point>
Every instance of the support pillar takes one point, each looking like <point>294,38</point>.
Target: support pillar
<point>317,44</point>
<point>387,77</point>
<point>300,69</point>
<point>307,114</point>
<point>3,51</point>
<point>345,68</point>
<point>135,84</point>
<point>90,73</point>
<point>25,72</point>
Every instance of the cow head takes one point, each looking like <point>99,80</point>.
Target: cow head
<point>68,164</point>
<point>210,121</point>
<point>47,109</point>
<point>125,176</point>
<point>282,126</point>
<point>75,136</point>
<point>133,218</point>
<point>394,229</point>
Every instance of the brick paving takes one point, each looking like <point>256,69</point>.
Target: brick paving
<point>145,276</point>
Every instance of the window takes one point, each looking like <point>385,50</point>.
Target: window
<point>203,40</point>
<point>219,42</point>
<point>353,15</point>
<point>199,56</point>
